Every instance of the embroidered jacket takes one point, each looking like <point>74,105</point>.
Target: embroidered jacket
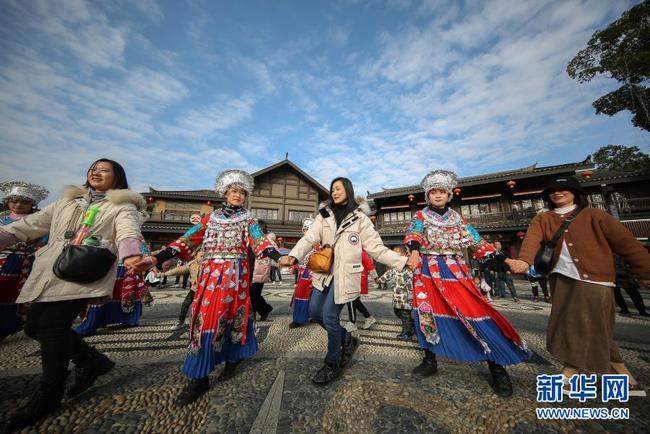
<point>446,234</point>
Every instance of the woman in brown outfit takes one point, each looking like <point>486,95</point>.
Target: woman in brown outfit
<point>581,325</point>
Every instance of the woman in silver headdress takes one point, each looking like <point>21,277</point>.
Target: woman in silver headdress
<point>451,316</point>
<point>20,200</point>
<point>221,328</point>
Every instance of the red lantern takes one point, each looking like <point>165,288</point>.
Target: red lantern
<point>456,191</point>
<point>209,203</point>
<point>587,174</point>
<point>411,198</point>
<point>521,234</point>
<point>511,184</point>
<point>150,199</point>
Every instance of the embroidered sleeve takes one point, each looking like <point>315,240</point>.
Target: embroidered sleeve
<point>384,278</point>
<point>257,240</point>
<point>415,231</point>
<point>481,248</point>
<point>190,241</point>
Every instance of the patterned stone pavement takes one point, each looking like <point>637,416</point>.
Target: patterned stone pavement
<point>273,391</point>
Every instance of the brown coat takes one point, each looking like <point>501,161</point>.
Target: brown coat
<point>592,239</point>
<point>192,268</point>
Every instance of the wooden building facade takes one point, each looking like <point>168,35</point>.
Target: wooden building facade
<point>283,196</point>
<point>501,205</point>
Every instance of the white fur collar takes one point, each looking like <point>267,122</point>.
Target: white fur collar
<point>117,197</point>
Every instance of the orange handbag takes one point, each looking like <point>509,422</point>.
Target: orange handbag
<point>322,260</point>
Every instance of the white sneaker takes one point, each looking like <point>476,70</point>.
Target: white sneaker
<point>177,326</point>
<point>368,322</point>
<point>349,326</point>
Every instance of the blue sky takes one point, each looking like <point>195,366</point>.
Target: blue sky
<point>380,91</point>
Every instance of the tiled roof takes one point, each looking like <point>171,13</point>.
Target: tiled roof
<point>523,172</point>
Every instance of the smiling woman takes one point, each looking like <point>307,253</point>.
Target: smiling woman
<point>56,302</point>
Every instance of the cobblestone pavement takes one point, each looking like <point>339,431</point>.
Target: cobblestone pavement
<point>273,391</point>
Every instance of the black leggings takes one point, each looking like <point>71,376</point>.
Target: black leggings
<point>257,301</point>
<point>358,305</point>
<point>50,324</point>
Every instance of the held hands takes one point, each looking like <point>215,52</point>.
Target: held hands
<point>286,261</point>
<point>414,260</point>
<point>143,263</point>
<point>517,266</point>
<point>129,263</point>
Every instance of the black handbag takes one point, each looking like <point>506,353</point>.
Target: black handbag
<point>82,264</point>
<point>544,257</point>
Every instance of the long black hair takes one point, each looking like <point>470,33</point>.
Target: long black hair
<point>342,210</point>
<point>119,182</point>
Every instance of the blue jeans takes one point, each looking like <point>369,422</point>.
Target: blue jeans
<point>502,280</point>
<point>325,312</point>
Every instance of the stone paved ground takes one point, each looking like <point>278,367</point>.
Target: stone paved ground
<point>273,391</point>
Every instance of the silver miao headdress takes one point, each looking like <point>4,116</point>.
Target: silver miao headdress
<point>239,178</point>
<point>306,223</point>
<point>444,179</point>
<point>23,190</point>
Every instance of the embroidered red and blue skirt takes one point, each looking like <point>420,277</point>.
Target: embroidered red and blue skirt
<point>220,328</point>
<point>301,294</point>
<point>454,320</point>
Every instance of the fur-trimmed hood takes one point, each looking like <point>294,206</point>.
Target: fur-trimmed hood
<point>363,206</point>
<point>117,197</point>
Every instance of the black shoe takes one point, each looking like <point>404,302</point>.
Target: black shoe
<point>228,372</point>
<point>265,316</point>
<point>294,325</point>
<point>500,380</point>
<point>349,348</point>
<point>87,370</point>
<point>193,391</point>
<point>46,400</point>
<point>328,373</point>
<point>428,367</point>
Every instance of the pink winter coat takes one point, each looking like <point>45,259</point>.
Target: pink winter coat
<point>262,270</point>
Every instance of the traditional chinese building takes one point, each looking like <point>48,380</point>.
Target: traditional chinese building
<point>500,205</point>
<point>283,196</point>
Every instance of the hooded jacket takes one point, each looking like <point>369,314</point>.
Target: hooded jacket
<point>118,221</point>
<point>356,233</point>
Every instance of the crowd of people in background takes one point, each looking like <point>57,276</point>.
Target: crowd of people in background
<point>444,305</point>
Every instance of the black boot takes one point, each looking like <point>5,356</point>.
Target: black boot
<point>348,349</point>
<point>228,372</point>
<point>428,367</point>
<point>328,373</point>
<point>88,367</point>
<point>46,400</point>
<point>500,380</point>
<point>193,391</point>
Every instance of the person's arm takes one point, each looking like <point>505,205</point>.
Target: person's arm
<point>626,246</point>
<point>260,243</point>
<point>311,239</point>
<point>28,228</point>
<point>178,271</point>
<point>371,242</point>
<point>529,248</point>
<point>128,238</point>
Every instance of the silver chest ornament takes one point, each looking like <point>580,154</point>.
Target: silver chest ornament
<point>226,234</point>
<point>446,232</point>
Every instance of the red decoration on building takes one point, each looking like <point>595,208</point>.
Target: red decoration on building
<point>209,203</point>
<point>521,234</point>
<point>587,174</point>
<point>456,191</point>
<point>411,198</point>
<point>150,199</point>
<point>511,184</point>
